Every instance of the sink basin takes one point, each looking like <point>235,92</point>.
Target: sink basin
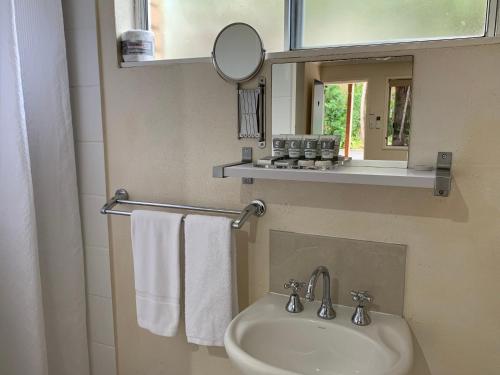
<point>264,339</point>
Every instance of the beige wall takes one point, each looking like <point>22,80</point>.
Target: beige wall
<point>377,96</point>
<point>164,130</point>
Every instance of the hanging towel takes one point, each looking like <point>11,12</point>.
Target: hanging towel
<point>155,247</point>
<point>210,278</point>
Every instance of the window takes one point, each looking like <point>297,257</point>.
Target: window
<point>398,124</point>
<point>351,22</point>
<point>188,28</point>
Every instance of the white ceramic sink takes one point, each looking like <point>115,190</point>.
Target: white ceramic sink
<point>264,339</point>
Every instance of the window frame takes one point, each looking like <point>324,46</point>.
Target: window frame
<point>142,17</point>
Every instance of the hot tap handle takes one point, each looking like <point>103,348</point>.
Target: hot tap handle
<point>294,285</point>
<point>361,297</point>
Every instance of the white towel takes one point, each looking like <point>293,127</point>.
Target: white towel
<point>155,247</point>
<point>210,274</point>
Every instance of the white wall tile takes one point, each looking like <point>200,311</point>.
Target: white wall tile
<point>83,67</point>
<point>86,113</point>
<point>91,178</point>
<point>83,64</point>
<point>98,272</point>
<point>103,359</point>
<point>95,225</point>
<point>100,320</point>
<point>79,14</point>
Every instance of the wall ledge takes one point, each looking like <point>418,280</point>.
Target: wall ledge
<point>332,52</point>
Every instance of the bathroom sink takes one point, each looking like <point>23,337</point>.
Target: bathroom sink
<point>264,339</point>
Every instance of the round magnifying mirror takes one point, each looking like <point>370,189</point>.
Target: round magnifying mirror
<point>238,53</point>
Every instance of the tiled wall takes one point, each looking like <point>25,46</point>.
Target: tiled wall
<point>82,51</point>
<point>376,267</point>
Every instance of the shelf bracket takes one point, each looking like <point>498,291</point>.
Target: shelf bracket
<point>246,157</point>
<point>442,184</point>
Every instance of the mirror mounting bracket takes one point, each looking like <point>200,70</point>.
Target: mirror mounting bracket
<point>252,113</point>
<point>442,184</point>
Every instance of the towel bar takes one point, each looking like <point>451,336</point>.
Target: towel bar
<point>256,207</point>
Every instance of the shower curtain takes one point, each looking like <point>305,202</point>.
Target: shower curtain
<point>42,295</point>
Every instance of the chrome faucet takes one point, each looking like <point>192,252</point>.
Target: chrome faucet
<point>360,316</point>
<point>294,305</point>
<point>326,310</point>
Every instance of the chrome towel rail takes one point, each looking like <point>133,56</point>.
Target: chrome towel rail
<point>256,207</point>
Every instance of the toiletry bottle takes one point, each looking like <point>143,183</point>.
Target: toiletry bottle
<point>311,147</point>
<point>296,149</point>
<point>279,143</point>
<point>327,148</point>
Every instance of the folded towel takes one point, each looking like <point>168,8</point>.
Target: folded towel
<point>210,278</point>
<point>155,247</point>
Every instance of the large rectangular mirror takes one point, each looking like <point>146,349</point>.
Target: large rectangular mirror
<point>365,102</point>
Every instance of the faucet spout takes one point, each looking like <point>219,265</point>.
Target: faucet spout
<point>326,310</point>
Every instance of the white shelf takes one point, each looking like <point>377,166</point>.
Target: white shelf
<point>364,175</point>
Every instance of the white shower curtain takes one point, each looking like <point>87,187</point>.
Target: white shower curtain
<point>42,296</point>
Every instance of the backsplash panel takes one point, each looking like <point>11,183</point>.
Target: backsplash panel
<point>376,267</point>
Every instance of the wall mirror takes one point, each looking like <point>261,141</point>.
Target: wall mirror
<point>238,53</point>
<point>366,102</point>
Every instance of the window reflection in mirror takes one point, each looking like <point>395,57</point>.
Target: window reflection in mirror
<point>398,126</point>
<point>365,102</point>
